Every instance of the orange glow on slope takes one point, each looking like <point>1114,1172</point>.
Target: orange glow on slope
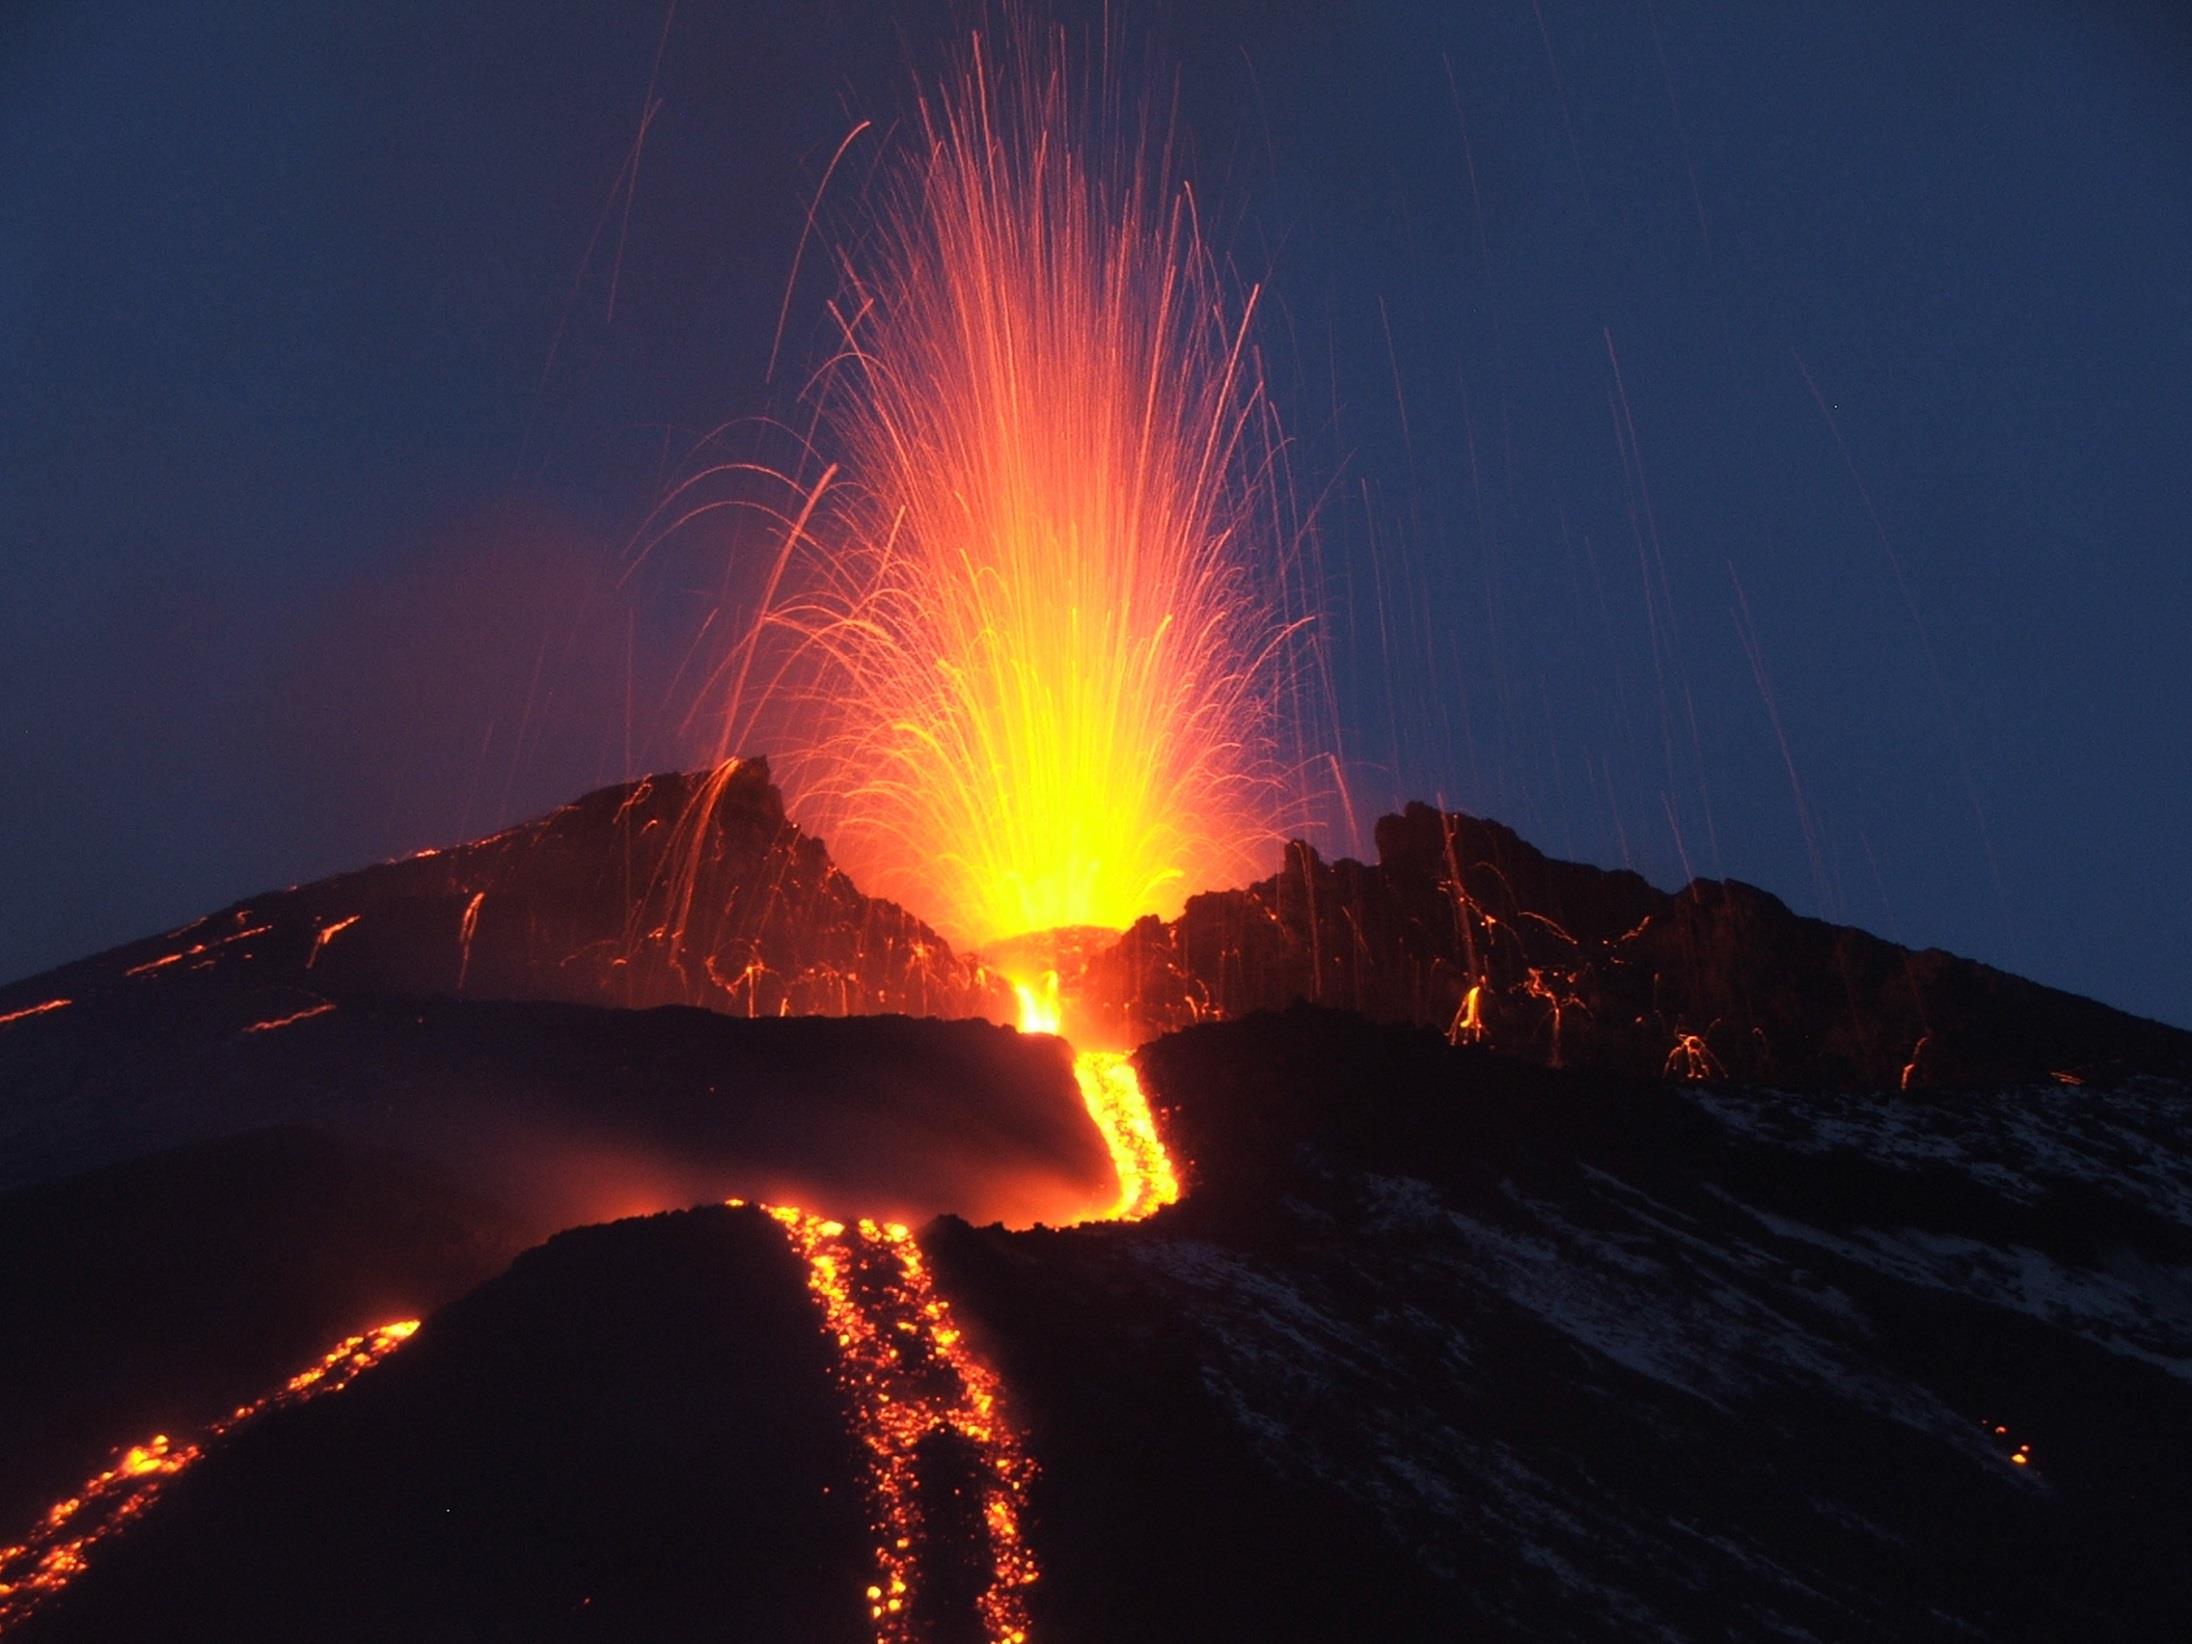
<point>54,1553</point>
<point>907,1374</point>
<point>1033,643</point>
<point>34,1010</point>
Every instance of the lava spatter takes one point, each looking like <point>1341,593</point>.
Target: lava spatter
<point>907,1376</point>
<point>55,1551</point>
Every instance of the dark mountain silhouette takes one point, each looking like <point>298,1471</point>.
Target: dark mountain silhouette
<point>690,889</point>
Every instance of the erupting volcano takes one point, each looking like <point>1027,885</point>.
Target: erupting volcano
<point>1005,1183</point>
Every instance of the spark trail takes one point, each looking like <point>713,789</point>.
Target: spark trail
<point>55,1551</point>
<point>1035,636</point>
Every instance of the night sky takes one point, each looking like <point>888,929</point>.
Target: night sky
<point>339,373</point>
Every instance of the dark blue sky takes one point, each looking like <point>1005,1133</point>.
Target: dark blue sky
<point>321,450</point>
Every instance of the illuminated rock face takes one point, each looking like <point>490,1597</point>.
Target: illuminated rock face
<point>697,889</point>
<point>690,889</point>
<point>1579,967</point>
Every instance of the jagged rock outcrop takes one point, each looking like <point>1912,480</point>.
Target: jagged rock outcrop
<point>1463,926</point>
<point>690,889</point>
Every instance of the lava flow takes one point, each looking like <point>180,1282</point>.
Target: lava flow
<point>908,1378</point>
<point>53,1554</point>
<point>35,1010</point>
<point>1111,1090</point>
<point>907,1374</point>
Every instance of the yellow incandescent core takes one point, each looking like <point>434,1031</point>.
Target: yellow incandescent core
<point>1112,1092</point>
<point>1036,629</point>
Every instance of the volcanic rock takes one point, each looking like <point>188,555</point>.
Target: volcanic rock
<point>157,1295</point>
<point>690,889</point>
<point>1706,1271</point>
<point>1441,1344</point>
<point>1463,926</point>
<point>631,1435</point>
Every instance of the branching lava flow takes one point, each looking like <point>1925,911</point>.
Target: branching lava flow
<point>54,1553</point>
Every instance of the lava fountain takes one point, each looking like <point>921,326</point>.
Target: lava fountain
<point>1035,644</point>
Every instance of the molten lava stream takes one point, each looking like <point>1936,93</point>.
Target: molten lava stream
<point>907,1375</point>
<point>53,1554</point>
<point>1111,1090</point>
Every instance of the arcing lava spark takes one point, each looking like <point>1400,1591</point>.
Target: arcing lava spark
<point>1030,652</point>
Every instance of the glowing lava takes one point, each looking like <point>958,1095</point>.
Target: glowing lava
<point>1034,640</point>
<point>53,1554</point>
<point>907,1374</point>
<point>1111,1090</point>
<point>305,1015</point>
<point>907,1377</point>
<point>35,1010</point>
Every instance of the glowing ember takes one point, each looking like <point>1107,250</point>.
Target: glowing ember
<point>54,1553</point>
<point>1044,623</point>
<point>1691,1059</point>
<point>327,934</point>
<point>907,1374</point>
<point>34,1010</point>
<point>192,952</point>
<point>1467,1027</point>
<point>1910,1068</point>
<point>467,927</point>
<point>295,1016</point>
